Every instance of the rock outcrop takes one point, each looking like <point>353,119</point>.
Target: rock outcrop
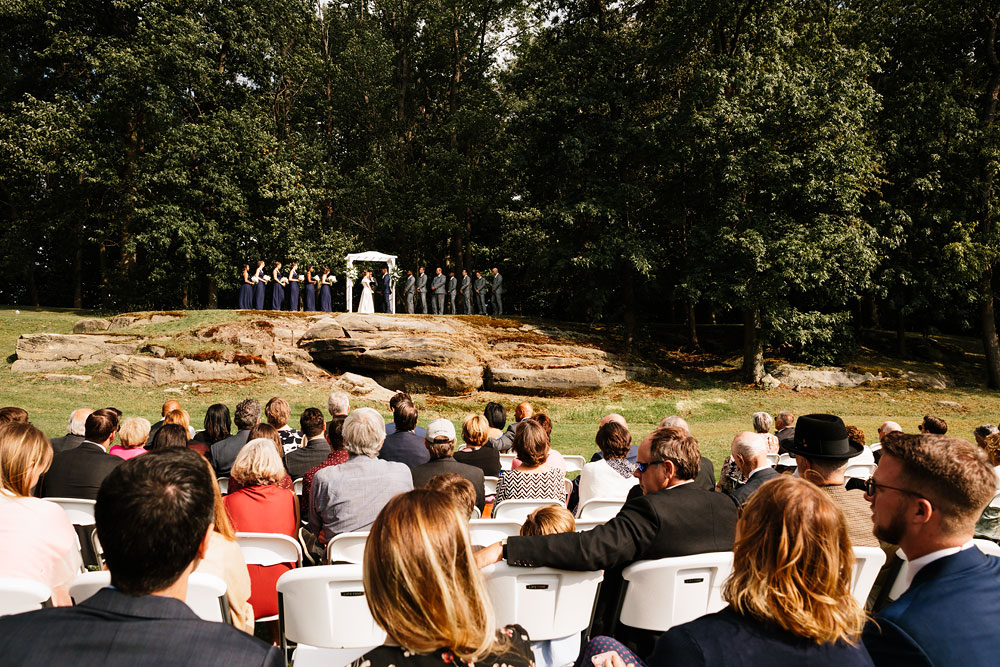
<point>40,353</point>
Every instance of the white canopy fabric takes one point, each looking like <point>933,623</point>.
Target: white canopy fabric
<point>368,256</point>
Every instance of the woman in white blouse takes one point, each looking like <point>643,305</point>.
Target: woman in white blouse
<point>611,476</point>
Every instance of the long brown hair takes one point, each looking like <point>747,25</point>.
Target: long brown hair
<point>23,448</point>
<point>421,578</point>
<point>221,522</point>
<point>793,561</point>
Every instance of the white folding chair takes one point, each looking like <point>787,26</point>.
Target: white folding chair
<point>297,485</point>
<point>347,548</point>
<point>223,485</point>
<point>666,592</point>
<point>860,470</point>
<point>601,508</point>
<point>484,532</point>
<point>574,463</point>
<point>547,602</point>
<point>490,485</point>
<point>476,513</point>
<point>269,549</point>
<point>587,524</point>
<point>20,595</point>
<point>506,461</point>
<point>988,547</point>
<point>772,459</point>
<point>206,593</point>
<point>787,460</point>
<point>518,510</point>
<point>79,510</point>
<point>568,485</point>
<point>323,609</point>
<point>867,563</point>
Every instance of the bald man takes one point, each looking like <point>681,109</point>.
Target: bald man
<point>749,452</point>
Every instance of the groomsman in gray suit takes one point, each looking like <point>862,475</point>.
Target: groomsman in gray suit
<point>480,286</point>
<point>465,289</point>
<point>422,289</point>
<point>437,292</point>
<point>452,286</point>
<point>497,289</point>
<point>408,289</point>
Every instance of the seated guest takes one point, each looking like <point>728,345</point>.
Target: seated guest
<point>168,406</point>
<point>267,432</point>
<point>633,451</point>
<point>475,434</point>
<point>611,476</point>
<point>497,417</point>
<point>789,595</point>
<point>925,496</point>
<point>75,430</point>
<point>885,429</point>
<point>706,471</point>
<point>298,461</point>
<point>505,441</point>
<point>224,559</point>
<point>460,490</point>
<point>278,412</point>
<point>169,435</point>
<point>731,476</point>
<point>784,428</point>
<point>217,426</point>
<point>336,456</point>
<point>403,444</point>
<point>555,459</point>
<point>749,452</point>
<point>348,497</point>
<point>141,618</point>
<point>339,405</point>
<point>440,443</point>
<point>261,506</point>
<point>933,426</point>
<point>533,479</point>
<point>37,541</point>
<point>983,431</point>
<point>423,588</point>
<point>988,524</point>
<point>78,472</point>
<point>222,454</point>
<point>13,414</point>
<point>390,426</point>
<point>132,435</point>
<point>181,417</point>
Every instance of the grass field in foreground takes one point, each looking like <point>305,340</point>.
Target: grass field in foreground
<point>715,410</point>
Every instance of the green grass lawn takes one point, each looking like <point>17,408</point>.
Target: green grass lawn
<point>716,410</point>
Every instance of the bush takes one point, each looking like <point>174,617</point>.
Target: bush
<point>812,337</point>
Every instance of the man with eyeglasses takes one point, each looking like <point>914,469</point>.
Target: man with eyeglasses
<point>672,517</point>
<point>926,496</point>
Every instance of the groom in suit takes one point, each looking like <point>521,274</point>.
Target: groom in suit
<point>437,292</point>
<point>422,289</point>
<point>408,289</point>
<point>465,289</point>
<point>387,292</point>
<point>926,496</point>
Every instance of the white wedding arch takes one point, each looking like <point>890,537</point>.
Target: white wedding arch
<point>369,256</point>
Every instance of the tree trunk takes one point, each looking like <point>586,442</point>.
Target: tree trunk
<point>988,322</point>
<point>213,294</point>
<point>872,312</point>
<point>753,350</point>
<point>987,316</point>
<point>901,334</point>
<point>692,325</point>
<point>629,309</point>
<point>184,297</point>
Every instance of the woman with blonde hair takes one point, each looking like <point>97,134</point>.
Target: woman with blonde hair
<point>789,595</point>
<point>425,591</point>
<point>132,434</point>
<point>37,540</point>
<point>475,433</point>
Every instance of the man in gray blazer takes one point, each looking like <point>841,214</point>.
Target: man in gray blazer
<point>452,287</point>
<point>422,289</point>
<point>465,290</point>
<point>408,288</point>
<point>223,453</point>
<point>437,292</point>
<point>480,287</point>
<point>497,290</point>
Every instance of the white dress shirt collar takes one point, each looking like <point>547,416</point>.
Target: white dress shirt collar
<point>917,564</point>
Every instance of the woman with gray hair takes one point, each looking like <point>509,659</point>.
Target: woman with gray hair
<point>762,422</point>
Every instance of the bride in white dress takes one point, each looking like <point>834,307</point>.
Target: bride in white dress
<point>367,304</point>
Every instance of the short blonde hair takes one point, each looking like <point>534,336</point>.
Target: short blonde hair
<point>258,464</point>
<point>277,412</point>
<point>475,430</point>
<point>549,520</point>
<point>421,579</point>
<point>134,432</point>
<point>23,449</point>
<point>793,561</point>
<point>178,416</point>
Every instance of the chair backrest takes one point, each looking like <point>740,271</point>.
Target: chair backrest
<point>875,447</point>
<point>79,510</point>
<point>574,463</point>
<point>772,459</point>
<point>988,547</point>
<point>223,485</point>
<point>867,563</point>
<point>297,485</point>
<point>476,513</point>
<point>787,460</point>
<point>518,510</point>
<point>506,461</point>
<point>548,603</point>
<point>206,593</point>
<point>20,595</point>
<point>601,508</point>
<point>347,548</point>
<point>490,485</point>
<point>568,484</point>
<point>669,591</point>
<point>269,549</point>
<point>587,524</point>
<point>325,606</point>
<point>484,532</point>
<point>860,470</point>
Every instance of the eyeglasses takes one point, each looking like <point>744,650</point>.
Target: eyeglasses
<point>872,487</point>
<point>642,467</point>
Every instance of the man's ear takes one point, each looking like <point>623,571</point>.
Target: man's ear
<point>203,547</point>
<point>924,511</point>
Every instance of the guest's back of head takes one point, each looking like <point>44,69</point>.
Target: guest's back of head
<point>531,443</point>
<point>278,412</point>
<point>549,520</point>
<point>460,490</point>
<point>25,453</point>
<point>404,416</point>
<point>77,424</point>
<point>614,440</point>
<point>134,432</point>
<point>257,464</point>
<point>933,425</point>
<point>312,423</point>
<point>169,435</point>
<point>267,432</point>
<point>338,404</point>
<point>495,415</point>
<point>364,432</point>
<point>179,416</point>
<point>546,423</point>
<point>217,424</point>
<point>762,422</point>
<point>247,414</point>
<point>475,430</point>
<point>13,414</point>
<point>100,425</point>
<point>673,421</point>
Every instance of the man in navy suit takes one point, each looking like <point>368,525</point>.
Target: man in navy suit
<point>926,496</point>
<point>404,444</point>
<point>79,472</point>
<point>388,294</point>
<point>154,519</point>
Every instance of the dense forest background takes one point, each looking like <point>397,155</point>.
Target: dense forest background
<point>803,167</point>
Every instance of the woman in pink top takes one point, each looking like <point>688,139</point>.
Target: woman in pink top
<point>132,434</point>
<point>37,540</point>
<point>555,459</point>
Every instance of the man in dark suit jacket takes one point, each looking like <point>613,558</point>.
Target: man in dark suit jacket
<point>75,431</point>
<point>79,472</point>
<point>152,539</point>
<point>168,406</point>
<point>223,453</point>
<point>301,460</point>
<point>926,496</point>
<point>404,444</point>
<point>749,452</point>
<point>440,444</point>
<point>506,440</point>
<point>673,517</point>
<point>784,429</point>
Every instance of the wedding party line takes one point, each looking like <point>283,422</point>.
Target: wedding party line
<point>438,295</point>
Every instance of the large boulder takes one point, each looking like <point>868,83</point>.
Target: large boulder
<point>91,325</point>
<point>48,352</point>
<point>363,387</point>
<point>809,377</point>
<point>151,372</point>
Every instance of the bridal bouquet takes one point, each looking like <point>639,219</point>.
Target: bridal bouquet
<point>255,280</point>
<point>266,279</point>
<point>284,282</point>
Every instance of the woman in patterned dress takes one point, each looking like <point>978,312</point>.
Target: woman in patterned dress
<point>533,479</point>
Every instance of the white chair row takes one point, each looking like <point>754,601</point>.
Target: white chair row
<point>574,463</point>
<point>269,549</point>
<point>855,470</point>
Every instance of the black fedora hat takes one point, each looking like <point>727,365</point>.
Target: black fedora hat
<point>822,437</point>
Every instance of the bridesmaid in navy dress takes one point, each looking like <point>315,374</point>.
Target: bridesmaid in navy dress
<point>293,287</point>
<point>278,291</point>
<point>245,300</point>
<point>310,290</point>
<point>325,304</point>
<point>258,290</point>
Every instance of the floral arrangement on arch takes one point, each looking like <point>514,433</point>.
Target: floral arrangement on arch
<point>395,274</point>
<point>351,274</point>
